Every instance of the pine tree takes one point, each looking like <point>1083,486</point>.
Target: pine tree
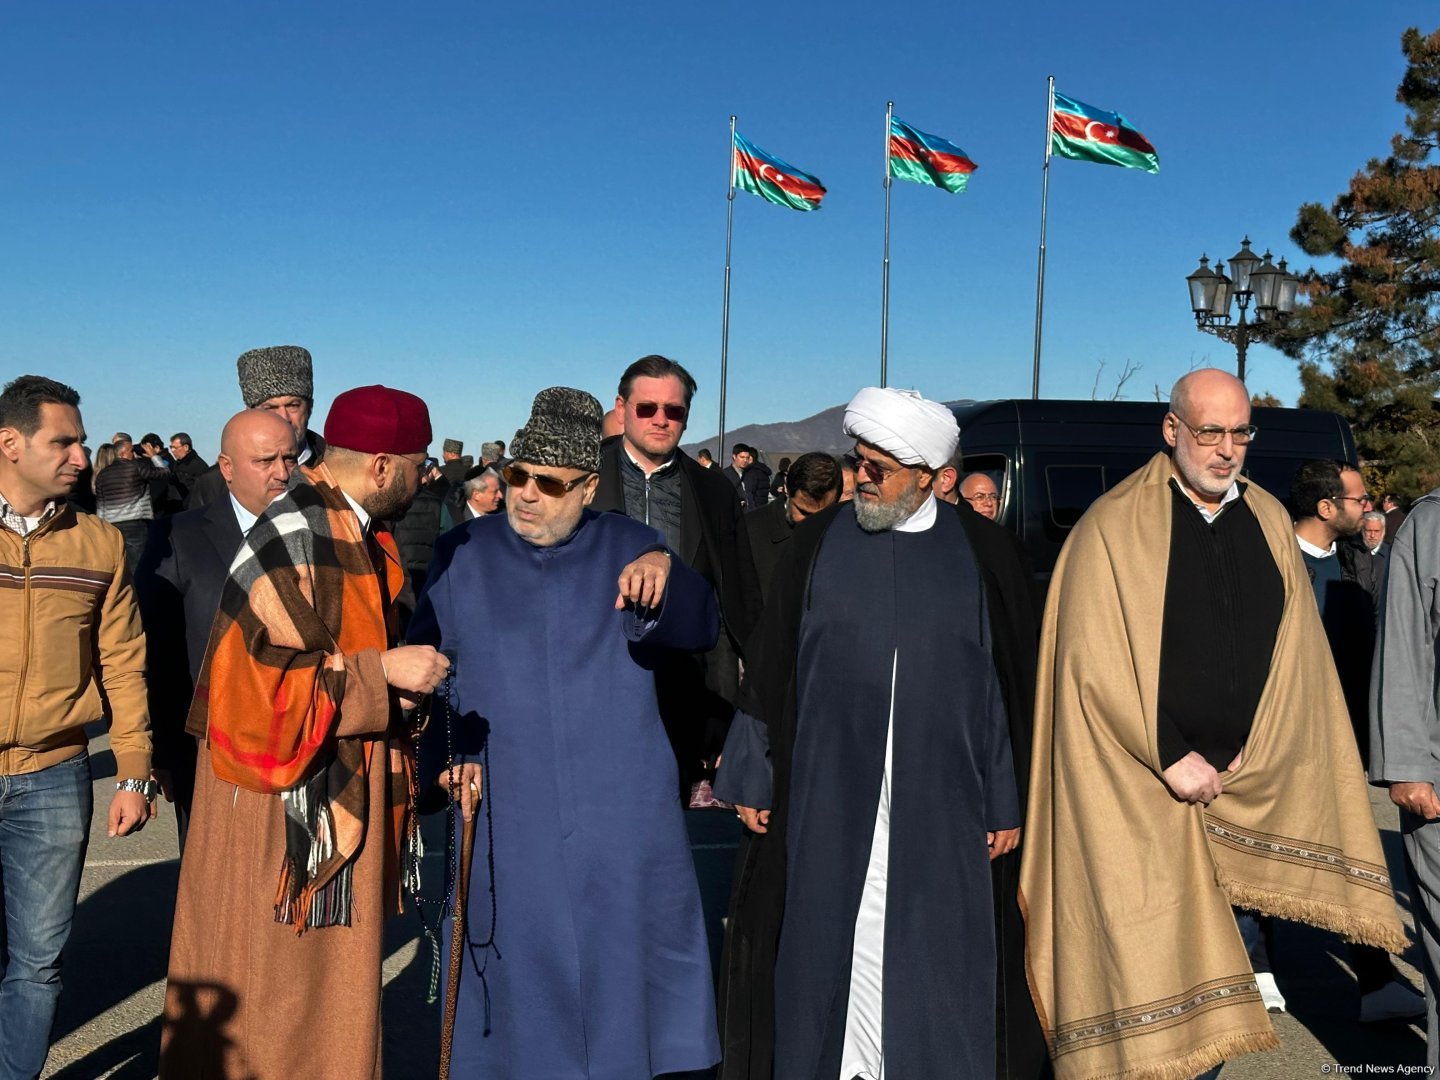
<point>1369,335</point>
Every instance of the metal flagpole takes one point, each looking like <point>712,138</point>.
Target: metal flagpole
<point>725,318</point>
<point>1040,270</point>
<point>885,266</point>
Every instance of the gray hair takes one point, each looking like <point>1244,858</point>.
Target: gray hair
<point>473,484</point>
<point>1373,515</point>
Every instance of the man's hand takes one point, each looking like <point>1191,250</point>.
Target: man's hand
<point>468,783</point>
<point>1002,842</point>
<point>757,821</point>
<point>166,782</point>
<point>1193,779</point>
<point>1417,797</point>
<point>416,668</point>
<point>642,583</point>
<point>129,811</point>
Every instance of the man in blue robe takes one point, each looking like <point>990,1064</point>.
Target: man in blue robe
<point>587,955</point>
<point>874,698</point>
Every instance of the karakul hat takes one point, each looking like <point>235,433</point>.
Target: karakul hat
<point>452,446</point>
<point>276,371</point>
<point>378,420</point>
<point>563,431</point>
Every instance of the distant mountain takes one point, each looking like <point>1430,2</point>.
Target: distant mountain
<point>787,438</point>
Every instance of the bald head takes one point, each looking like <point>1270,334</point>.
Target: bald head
<point>1211,386</point>
<point>1207,405</point>
<point>258,451</point>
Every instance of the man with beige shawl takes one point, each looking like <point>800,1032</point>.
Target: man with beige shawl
<point>1192,752</point>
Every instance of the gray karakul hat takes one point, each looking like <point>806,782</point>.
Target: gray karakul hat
<point>563,431</point>
<point>276,371</point>
<point>452,446</point>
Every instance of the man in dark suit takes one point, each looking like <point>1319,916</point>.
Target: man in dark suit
<point>645,475</point>
<point>812,483</point>
<point>750,477</point>
<point>182,575</point>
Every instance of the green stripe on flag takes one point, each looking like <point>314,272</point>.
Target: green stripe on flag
<point>747,181</point>
<point>904,168</point>
<point>1103,153</point>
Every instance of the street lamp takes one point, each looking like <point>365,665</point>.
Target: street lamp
<point>1252,277</point>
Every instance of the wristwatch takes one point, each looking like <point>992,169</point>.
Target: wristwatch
<point>148,788</point>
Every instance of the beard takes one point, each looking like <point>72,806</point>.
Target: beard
<point>390,502</point>
<point>879,516</point>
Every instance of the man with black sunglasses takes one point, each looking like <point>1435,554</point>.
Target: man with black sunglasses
<point>646,476</point>
<point>597,962</point>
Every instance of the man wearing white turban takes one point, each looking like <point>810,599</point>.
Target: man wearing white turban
<point>871,761</point>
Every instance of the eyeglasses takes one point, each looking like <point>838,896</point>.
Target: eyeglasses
<point>873,469</point>
<point>553,486</point>
<point>1213,435</point>
<point>1350,498</point>
<point>984,497</point>
<point>674,413</point>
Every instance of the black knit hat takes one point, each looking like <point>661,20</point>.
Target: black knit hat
<point>277,371</point>
<point>563,431</point>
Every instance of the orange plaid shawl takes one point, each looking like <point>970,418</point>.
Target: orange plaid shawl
<point>303,597</point>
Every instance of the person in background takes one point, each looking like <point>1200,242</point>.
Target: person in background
<point>702,456</point>
<point>122,494</point>
<point>188,466</point>
<point>981,493</point>
<point>814,485</point>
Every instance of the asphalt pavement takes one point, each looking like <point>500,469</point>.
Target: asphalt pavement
<point>108,1023</point>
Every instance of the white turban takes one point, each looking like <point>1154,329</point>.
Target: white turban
<point>911,429</point>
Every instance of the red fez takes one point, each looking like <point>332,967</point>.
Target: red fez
<point>379,420</point>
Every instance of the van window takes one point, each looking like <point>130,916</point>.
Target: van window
<point>992,465</point>
<point>1072,488</point>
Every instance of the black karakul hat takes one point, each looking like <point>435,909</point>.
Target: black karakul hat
<point>563,431</point>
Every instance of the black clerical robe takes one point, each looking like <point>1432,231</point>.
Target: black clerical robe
<point>845,608</point>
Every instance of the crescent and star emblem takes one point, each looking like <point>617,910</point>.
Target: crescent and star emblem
<point>1107,132</point>
<point>775,176</point>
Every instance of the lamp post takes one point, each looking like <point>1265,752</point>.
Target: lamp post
<point>1253,278</point>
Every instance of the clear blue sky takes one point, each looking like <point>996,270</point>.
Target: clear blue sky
<point>473,201</point>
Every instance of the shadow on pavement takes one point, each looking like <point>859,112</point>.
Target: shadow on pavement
<point>133,1056</point>
<point>119,945</point>
<point>1311,970</point>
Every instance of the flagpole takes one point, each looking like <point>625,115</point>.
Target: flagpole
<point>725,317</point>
<point>885,265</point>
<point>1044,209</point>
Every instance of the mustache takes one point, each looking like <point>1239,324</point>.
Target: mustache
<point>869,488</point>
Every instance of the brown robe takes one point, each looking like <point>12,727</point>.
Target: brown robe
<point>293,661</point>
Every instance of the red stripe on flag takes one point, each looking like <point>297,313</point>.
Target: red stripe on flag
<point>944,163</point>
<point>791,185</point>
<point>1082,129</point>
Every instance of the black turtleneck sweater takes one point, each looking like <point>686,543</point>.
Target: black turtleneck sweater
<point>1223,601</point>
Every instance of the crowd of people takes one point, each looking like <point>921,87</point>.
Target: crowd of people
<point>979,833</point>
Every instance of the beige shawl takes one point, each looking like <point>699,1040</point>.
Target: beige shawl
<point>1134,959</point>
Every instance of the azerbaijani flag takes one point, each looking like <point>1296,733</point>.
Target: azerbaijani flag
<point>927,159</point>
<point>1086,133</point>
<point>774,180</point>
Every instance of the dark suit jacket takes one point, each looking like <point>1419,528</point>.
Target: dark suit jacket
<point>765,532</point>
<point>697,694</point>
<point>178,586</point>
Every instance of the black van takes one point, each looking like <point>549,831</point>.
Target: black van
<point>1051,459</point>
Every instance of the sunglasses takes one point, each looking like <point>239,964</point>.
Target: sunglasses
<point>674,413</point>
<point>553,486</point>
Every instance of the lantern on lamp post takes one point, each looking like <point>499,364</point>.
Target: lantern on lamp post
<point>1253,278</point>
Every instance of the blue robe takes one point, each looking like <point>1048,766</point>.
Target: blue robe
<point>600,967</point>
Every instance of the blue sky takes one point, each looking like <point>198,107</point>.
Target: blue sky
<point>473,201</point>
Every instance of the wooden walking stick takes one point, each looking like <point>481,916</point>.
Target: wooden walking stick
<point>457,943</point>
